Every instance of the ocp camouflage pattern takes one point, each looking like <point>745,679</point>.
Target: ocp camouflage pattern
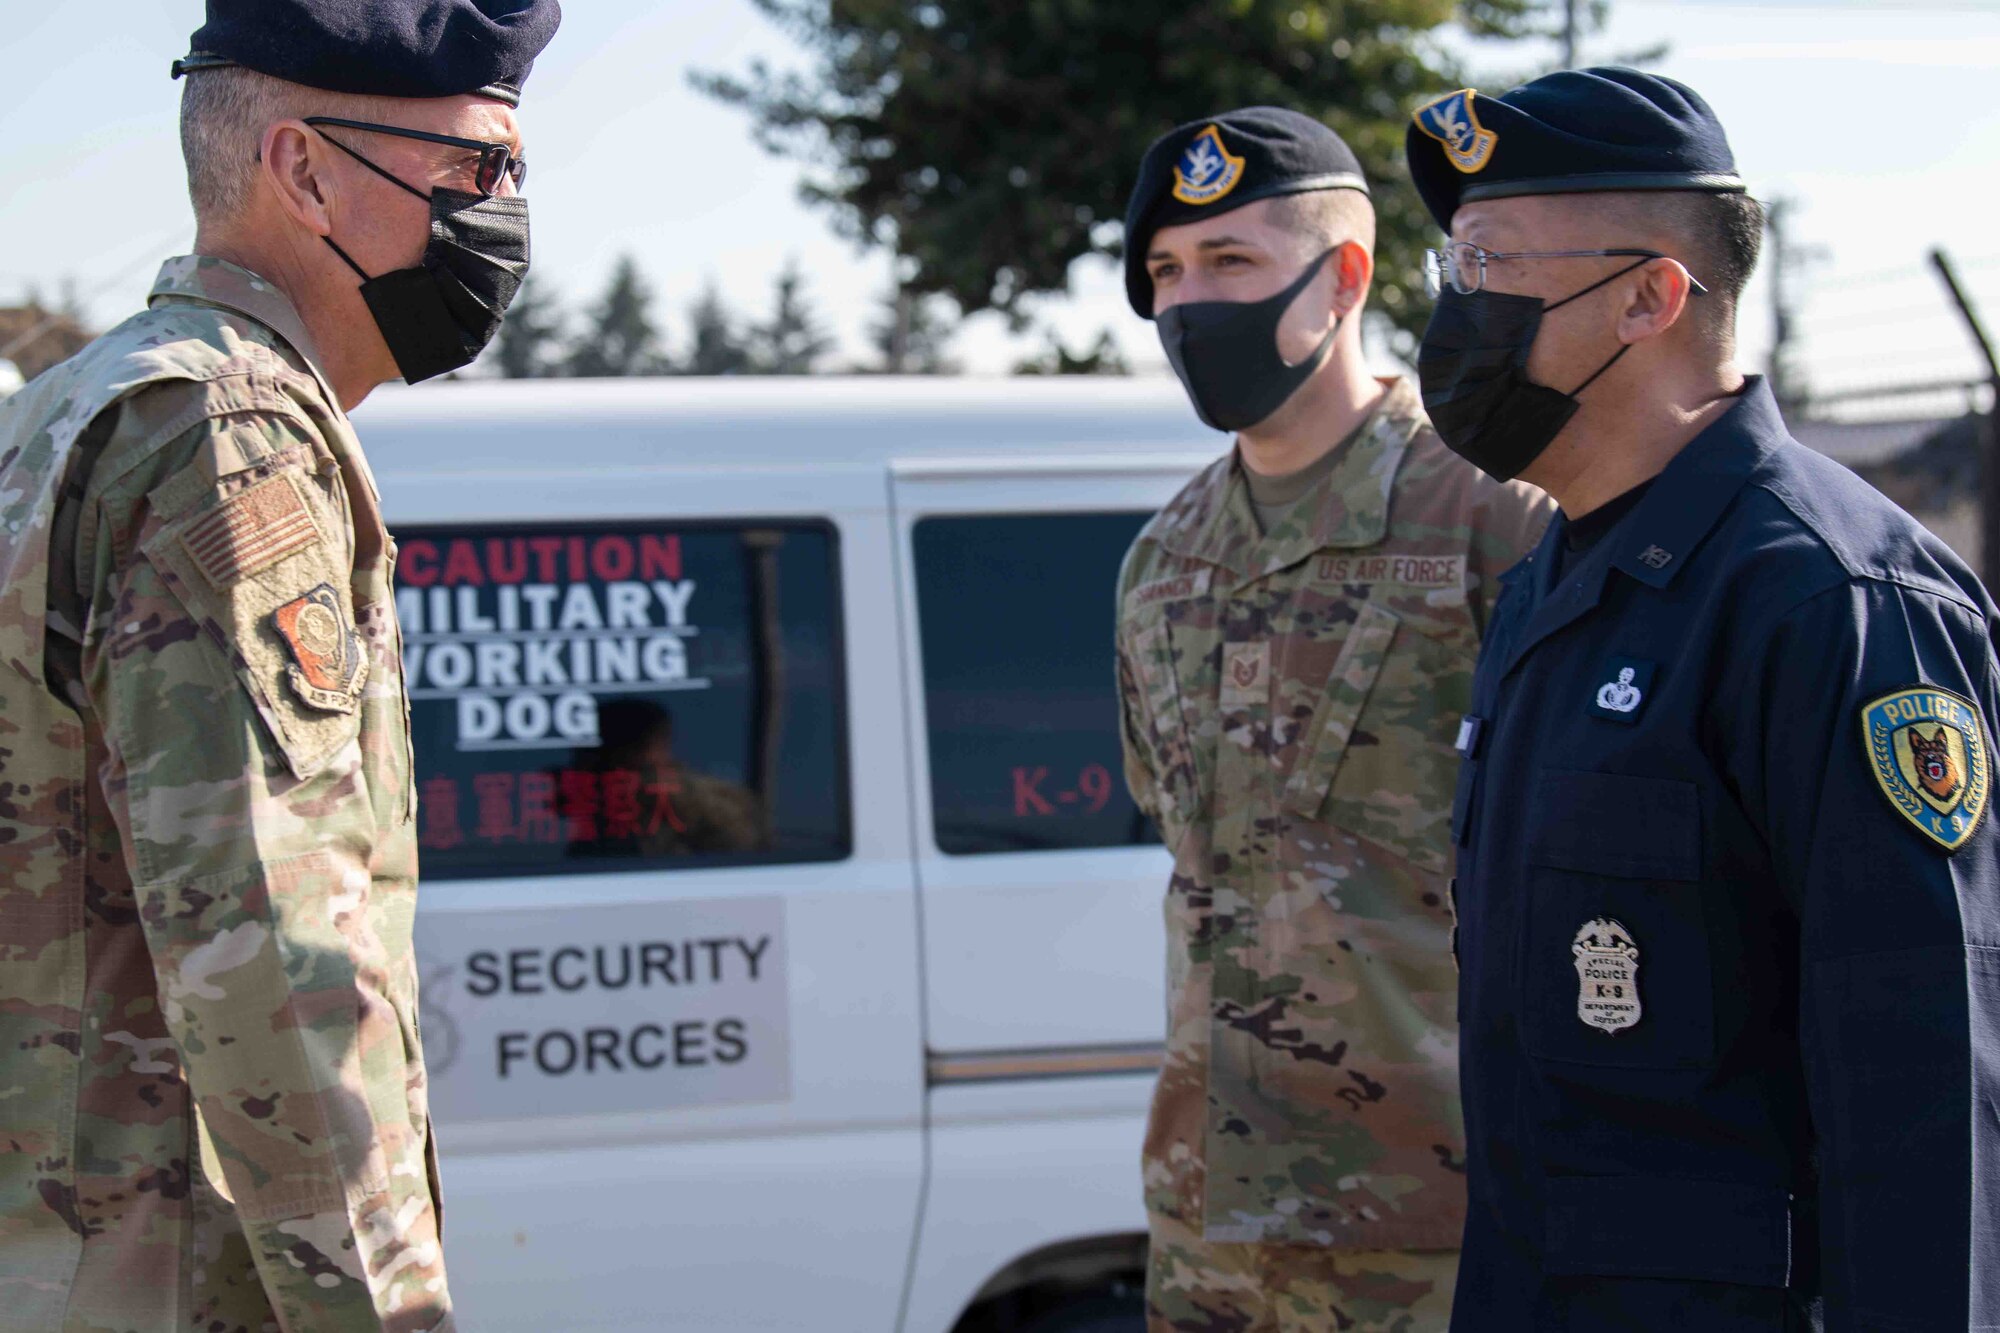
<point>212,1105</point>
<point>1290,705</point>
<point>1200,1286</point>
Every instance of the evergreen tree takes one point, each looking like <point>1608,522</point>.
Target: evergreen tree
<point>913,333</point>
<point>530,341</point>
<point>1103,358</point>
<point>795,338</point>
<point>991,145</point>
<point>619,337</point>
<point>718,349</point>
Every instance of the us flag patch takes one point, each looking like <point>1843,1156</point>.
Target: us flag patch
<point>252,531</point>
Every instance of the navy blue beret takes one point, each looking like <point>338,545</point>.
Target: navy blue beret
<point>1211,166</point>
<point>1591,130</point>
<point>379,48</point>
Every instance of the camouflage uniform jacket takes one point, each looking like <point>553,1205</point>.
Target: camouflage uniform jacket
<point>1290,705</point>
<point>212,1103</point>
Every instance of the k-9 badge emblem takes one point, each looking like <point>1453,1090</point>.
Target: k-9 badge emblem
<point>1927,749</point>
<point>1607,975</point>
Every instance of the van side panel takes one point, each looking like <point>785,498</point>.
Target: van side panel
<point>569,1206</point>
<point>1015,1167</point>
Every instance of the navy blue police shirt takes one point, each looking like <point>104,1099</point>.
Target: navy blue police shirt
<point>1729,916</point>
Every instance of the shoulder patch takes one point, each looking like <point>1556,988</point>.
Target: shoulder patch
<point>1207,170</point>
<point>1927,749</point>
<point>1454,122</point>
<point>329,665</point>
<point>251,531</point>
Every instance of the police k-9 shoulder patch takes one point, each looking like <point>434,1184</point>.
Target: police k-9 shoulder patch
<point>1207,170</point>
<point>329,666</point>
<point>1927,748</point>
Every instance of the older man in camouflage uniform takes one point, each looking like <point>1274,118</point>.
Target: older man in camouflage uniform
<point>1296,637</point>
<point>212,1102</point>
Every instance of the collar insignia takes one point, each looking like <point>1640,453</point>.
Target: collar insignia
<point>1207,170</point>
<point>1453,122</point>
<point>1927,749</point>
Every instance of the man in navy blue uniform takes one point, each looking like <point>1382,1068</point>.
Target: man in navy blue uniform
<point>1728,900</point>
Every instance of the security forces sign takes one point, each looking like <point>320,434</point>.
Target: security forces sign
<point>1928,752</point>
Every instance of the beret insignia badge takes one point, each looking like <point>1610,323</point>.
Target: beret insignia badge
<point>328,666</point>
<point>1453,122</point>
<point>1927,750</point>
<point>1207,170</point>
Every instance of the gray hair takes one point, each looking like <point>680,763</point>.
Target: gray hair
<point>224,113</point>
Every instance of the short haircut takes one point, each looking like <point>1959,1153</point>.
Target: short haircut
<point>1326,218</point>
<point>224,113</point>
<point>1717,236</point>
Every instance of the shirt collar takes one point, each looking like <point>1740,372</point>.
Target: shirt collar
<point>1654,541</point>
<point>218,282</point>
<point>1346,508</point>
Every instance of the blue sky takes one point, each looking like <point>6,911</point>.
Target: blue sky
<point>1881,120</point>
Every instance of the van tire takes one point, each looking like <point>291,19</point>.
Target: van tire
<point>1109,1312</point>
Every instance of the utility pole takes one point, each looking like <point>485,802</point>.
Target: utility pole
<point>1570,32</point>
<point>1989,454</point>
<point>1784,296</point>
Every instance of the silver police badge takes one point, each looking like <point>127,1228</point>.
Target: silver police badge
<point>1607,975</point>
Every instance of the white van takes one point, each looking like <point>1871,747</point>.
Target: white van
<point>792,950</point>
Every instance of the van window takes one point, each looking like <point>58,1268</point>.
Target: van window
<point>619,697</point>
<point>1020,681</point>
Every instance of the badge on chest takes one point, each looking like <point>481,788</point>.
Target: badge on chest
<point>1618,692</point>
<point>1607,975</point>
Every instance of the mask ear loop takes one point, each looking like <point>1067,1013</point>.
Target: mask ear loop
<point>347,259</point>
<point>359,271</point>
<point>1298,289</point>
<point>1585,292</point>
<point>405,186</point>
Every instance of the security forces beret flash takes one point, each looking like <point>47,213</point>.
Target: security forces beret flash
<point>379,48</point>
<point>1211,166</point>
<point>1579,131</point>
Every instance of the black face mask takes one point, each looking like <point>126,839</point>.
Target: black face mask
<point>1473,369</point>
<point>441,315</point>
<point>1226,354</point>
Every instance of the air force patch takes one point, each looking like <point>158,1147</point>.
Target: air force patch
<point>1453,122</point>
<point>1207,170</point>
<point>1927,749</point>
<point>329,667</point>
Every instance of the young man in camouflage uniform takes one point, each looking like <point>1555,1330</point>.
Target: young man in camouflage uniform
<point>1296,637</point>
<point>212,1109</point>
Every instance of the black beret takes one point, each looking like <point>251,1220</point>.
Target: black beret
<point>1211,166</point>
<point>380,48</point>
<point>1576,132</point>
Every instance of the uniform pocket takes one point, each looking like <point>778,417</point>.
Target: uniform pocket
<point>260,566</point>
<point>1167,735</point>
<point>1381,764</point>
<point>1647,1226</point>
<point>1347,689</point>
<point>1616,958</point>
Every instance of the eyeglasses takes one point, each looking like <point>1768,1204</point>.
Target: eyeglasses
<point>1463,265</point>
<point>497,161</point>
